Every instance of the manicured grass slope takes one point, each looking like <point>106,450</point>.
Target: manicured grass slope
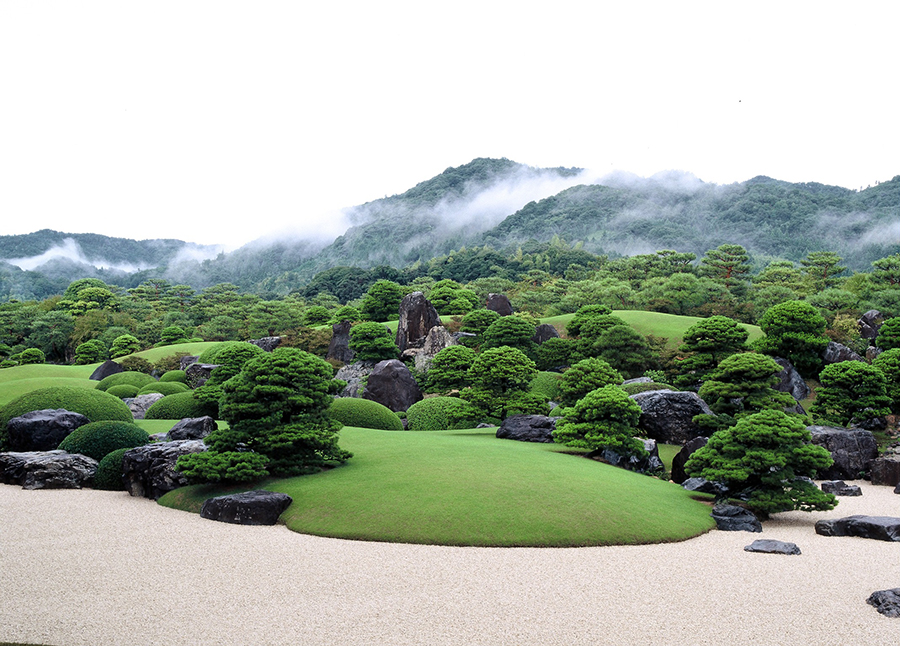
<point>469,488</point>
<point>18,380</point>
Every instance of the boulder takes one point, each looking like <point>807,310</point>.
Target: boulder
<point>106,369</point>
<point>248,508</point>
<point>790,381</point>
<point>149,471</point>
<point>853,450</point>
<point>887,602</point>
<point>527,428</point>
<point>47,469</point>
<point>42,430</point>
<point>391,384</point>
<point>886,469</point>
<point>417,317</point>
<point>355,376</point>
<point>141,403</point>
<point>436,340</point>
<point>198,373</point>
<point>840,488</point>
<point>544,332</point>
<point>769,546</point>
<point>897,489</point>
<point>702,485</point>
<point>880,528</point>
<point>638,380</point>
<point>667,415</point>
<point>339,347</point>
<point>267,343</point>
<point>681,458</point>
<point>651,462</point>
<point>187,360</point>
<point>836,352</point>
<point>872,352</point>
<point>499,303</point>
<point>192,428</point>
<point>869,324</point>
<point>731,518</point>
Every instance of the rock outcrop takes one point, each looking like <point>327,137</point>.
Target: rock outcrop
<point>527,428</point>
<point>790,381</point>
<point>667,415</point>
<point>391,384</point>
<point>339,347</point>
<point>869,324</point>
<point>417,317</point>
<point>880,528</point>
<point>436,340</point>
<point>355,376</point>
<point>853,449</point>
<point>42,430</point>
<point>499,303</point>
<point>837,352</point>
<point>192,428</point>
<point>149,471</point>
<point>47,469</point>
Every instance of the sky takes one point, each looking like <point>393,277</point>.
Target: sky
<point>221,122</point>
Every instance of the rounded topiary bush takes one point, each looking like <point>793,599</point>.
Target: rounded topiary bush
<point>179,376</point>
<point>364,413</point>
<point>644,386</point>
<point>99,439</point>
<point>123,390</point>
<point>109,472</point>
<point>129,377</point>
<point>211,354</point>
<point>164,388</point>
<point>179,406</point>
<point>440,414</point>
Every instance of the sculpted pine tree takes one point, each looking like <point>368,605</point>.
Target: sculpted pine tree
<point>708,342</point>
<point>372,342</point>
<point>794,331</point>
<point>450,369</point>
<point>852,392</point>
<point>605,418</point>
<point>500,379</point>
<point>382,301</point>
<point>585,376</point>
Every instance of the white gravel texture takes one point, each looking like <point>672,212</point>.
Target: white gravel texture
<point>93,567</point>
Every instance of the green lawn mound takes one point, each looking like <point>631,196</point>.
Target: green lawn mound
<point>468,488</point>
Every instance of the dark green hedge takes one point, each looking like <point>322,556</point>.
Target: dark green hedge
<point>130,378</point>
<point>109,472</point>
<point>364,413</point>
<point>164,388</point>
<point>179,406</point>
<point>99,439</point>
<point>441,413</point>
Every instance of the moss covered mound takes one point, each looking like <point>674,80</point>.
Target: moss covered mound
<point>99,439</point>
<point>164,388</point>
<point>109,472</point>
<point>179,406</point>
<point>644,386</point>
<point>440,414</point>
<point>179,376</point>
<point>211,355</point>
<point>364,413</point>
<point>123,390</point>
<point>128,377</point>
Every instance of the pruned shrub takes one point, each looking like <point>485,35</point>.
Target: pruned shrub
<point>547,384</point>
<point>441,413</point>
<point>179,406</point>
<point>131,378</point>
<point>134,363</point>
<point>227,466</point>
<point>92,351</point>
<point>123,390</point>
<point>29,355</point>
<point>109,472</point>
<point>364,413</point>
<point>170,362</point>
<point>211,354</point>
<point>164,388</point>
<point>174,375</point>
<point>99,439</point>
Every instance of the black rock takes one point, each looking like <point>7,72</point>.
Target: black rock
<point>853,449</point>
<point>192,428</point>
<point>186,361</point>
<point>869,324</point>
<point>681,458</point>
<point>417,317</point>
<point>544,332</point>
<point>249,508</point>
<point>527,428</point>
<point>667,415</point>
<point>42,430</point>
<point>841,488</point>
<point>837,352</point>
<point>887,602</point>
<point>339,347</point>
<point>198,373</point>
<point>886,468</point>
<point>769,546</point>
<point>267,343</point>
<point>106,369</point>
<point>499,303</point>
<point>790,381</point>
<point>881,528</point>
<point>391,384</point>
<point>47,469</point>
<point>730,518</point>
<point>702,485</point>
<point>149,471</point>
<point>651,462</point>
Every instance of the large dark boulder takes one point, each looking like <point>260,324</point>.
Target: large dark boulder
<point>702,485</point>
<point>667,415</point>
<point>47,469</point>
<point>887,602</point>
<point>141,404</point>
<point>790,381</point>
<point>651,462</point>
<point>149,471</point>
<point>417,317</point>
<point>248,508</point>
<point>355,376</point>
<point>267,343</point>
<point>42,430</point>
<point>544,332</point>
<point>881,528</point>
<point>731,518</point>
<point>769,546</point>
<point>853,450</point>
<point>339,347</point>
<point>869,324</point>
<point>678,473</point>
<point>840,488</point>
<point>106,369</point>
<point>836,352</point>
<point>886,468</point>
<point>499,303</point>
<point>527,428</point>
<point>192,428</point>
<point>391,384</point>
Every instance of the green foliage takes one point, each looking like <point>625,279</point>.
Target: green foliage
<point>98,439</point>
<point>764,457</point>
<point>346,313</point>
<point>179,406</point>
<point>28,356</point>
<point>585,376</point>
<point>124,345</point>
<point>174,375</point>
<point>728,264</point>
<point>889,334</point>
<point>500,378</point>
<point>441,413</point>
<point>225,466</point>
<point>108,476</point>
<point>316,315</point>
<point>583,314</point>
<point>364,413</point>
<point>510,331</point>
<point>164,388</point>
<point>138,379</point>
<point>555,353</point>
<point>708,342</point>
<point>382,301</point>
<point>372,341</point>
<point>546,384</point>
<point>135,364</point>
<point>889,364</point>
<point>231,357</point>
<point>744,383</point>
<point>450,369</point>
<point>794,331</point>
<point>622,347</point>
<point>476,322</point>
<point>822,269</point>
<point>851,392</point>
<point>605,418</point>
<point>92,351</point>
<point>123,390</point>
<point>171,335</point>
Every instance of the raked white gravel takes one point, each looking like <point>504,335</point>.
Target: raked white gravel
<point>102,568</point>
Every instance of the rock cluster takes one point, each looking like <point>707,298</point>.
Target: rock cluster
<point>47,469</point>
<point>840,488</point>
<point>731,518</point>
<point>149,471</point>
<point>528,428</point>
<point>881,528</point>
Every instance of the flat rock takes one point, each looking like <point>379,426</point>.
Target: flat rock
<point>192,428</point>
<point>731,518</point>
<point>769,546</point>
<point>887,602</point>
<point>667,415</point>
<point>527,428</point>
<point>881,528</point>
<point>42,430</point>
<point>840,488</point>
<point>248,508</point>
<point>702,485</point>
<point>47,469</point>
<point>149,471</point>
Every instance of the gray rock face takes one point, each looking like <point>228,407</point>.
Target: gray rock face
<point>417,317</point>
<point>47,469</point>
<point>841,488</point>
<point>267,343</point>
<point>339,347</point>
<point>869,324</point>
<point>187,361</point>
<point>667,415</point>
<point>886,469</point>
<point>248,508</point>
<point>392,384</point>
<point>106,369</point>
<point>544,332</point>
<point>880,528</point>
<point>436,340</point>
<point>198,373</point>
<point>499,303</point>
<point>887,602</point>
<point>769,546</point>
<point>790,381</point>
<point>836,353</point>
<point>527,428</point>
<point>141,403</point>
<point>638,380</point>
<point>730,518</point>
<point>42,430</point>
<point>703,485</point>
<point>355,375</point>
<point>640,465</point>
<point>853,450</point>
<point>149,471</point>
<point>678,462</point>
<point>192,428</point>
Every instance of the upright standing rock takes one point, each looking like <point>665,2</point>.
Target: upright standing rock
<point>417,317</point>
<point>790,381</point>
<point>339,348</point>
<point>438,338</point>
<point>544,332</point>
<point>105,369</point>
<point>499,303</point>
<point>869,324</point>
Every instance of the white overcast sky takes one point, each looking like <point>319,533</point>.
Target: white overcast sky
<point>217,122</point>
